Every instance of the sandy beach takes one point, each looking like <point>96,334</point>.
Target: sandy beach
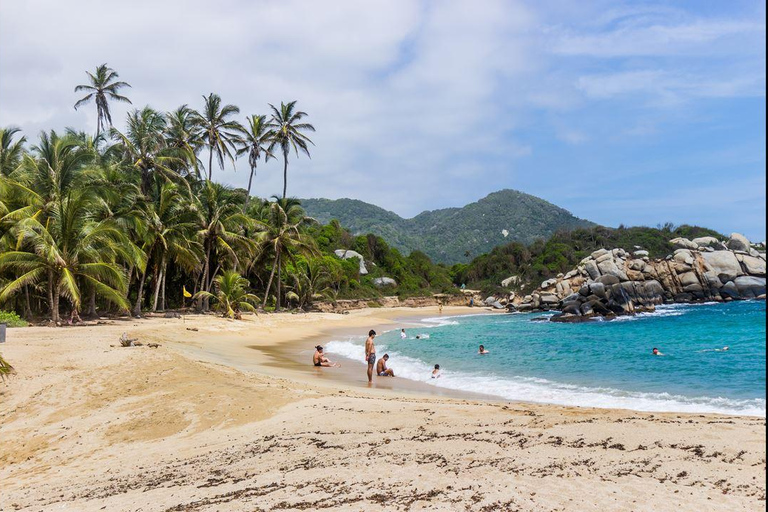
<point>225,416</point>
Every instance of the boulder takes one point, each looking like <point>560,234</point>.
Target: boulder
<point>641,254</point>
<point>724,264</point>
<point>684,256</point>
<point>608,280</point>
<point>683,243</point>
<point>384,281</point>
<point>490,300</point>
<point>608,267</point>
<point>749,286</point>
<point>636,264</point>
<point>510,281</point>
<point>549,299</point>
<point>346,254</point>
<point>598,288</point>
<point>729,289</point>
<point>709,241</point>
<point>738,242</point>
<point>599,252</point>
<point>605,257</point>
<point>688,279</point>
<point>592,270</point>
<point>497,305</point>
<point>549,282</point>
<point>572,309</point>
<point>753,266</point>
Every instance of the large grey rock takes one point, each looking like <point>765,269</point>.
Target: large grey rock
<point>549,282</point>
<point>738,242</point>
<point>510,281</point>
<point>641,253</point>
<point>599,253</point>
<point>688,279</point>
<point>592,269</point>
<point>598,289</point>
<point>683,256</point>
<point>608,267</point>
<point>753,266</point>
<point>549,298</point>
<point>605,257</point>
<point>346,254</point>
<point>384,281</point>
<point>683,243</point>
<point>749,286</point>
<point>729,289</point>
<point>724,264</point>
<point>608,280</point>
<point>709,241</point>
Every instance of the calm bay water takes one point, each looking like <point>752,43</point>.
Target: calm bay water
<point>601,364</point>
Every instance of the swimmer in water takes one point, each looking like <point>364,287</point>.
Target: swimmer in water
<point>482,350</point>
<point>656,352</point>
<point>436,372</point>
<point>402,334</point>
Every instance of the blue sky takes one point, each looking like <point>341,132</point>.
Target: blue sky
<point>622,112</point>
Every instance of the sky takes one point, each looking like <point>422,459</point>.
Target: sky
<point>627,113</point>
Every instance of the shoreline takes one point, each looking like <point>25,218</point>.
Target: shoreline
<point>206,422</point>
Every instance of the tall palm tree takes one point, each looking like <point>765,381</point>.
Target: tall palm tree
<point>10,151</point>
<point>254,141</point>
<point>184,134</point>
<point>145,146</point>
<point>287,134</point>
<point>221,232</point>
<point>231,295</point>
<point>219,133</point>
<point>69,250</point>
<point>103,87</point>
<point>282,221</point>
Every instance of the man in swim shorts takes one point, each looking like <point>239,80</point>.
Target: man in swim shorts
<point>381,367</point>
<point>370,354</point>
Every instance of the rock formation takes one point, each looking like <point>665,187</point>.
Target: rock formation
<point>347,254</point>
<point>615,282</point>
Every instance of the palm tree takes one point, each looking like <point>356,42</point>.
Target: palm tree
<point>184,134</point>
<point>69,250</point>
<point>231,295</point>
<point>102,88</point>
<point>145,146</point>
<point>287,134</point>
<point>254,142</point>
<point>221,233</point>
<point>219,133</point>
<point>282,221</point>
<point>10,151</point>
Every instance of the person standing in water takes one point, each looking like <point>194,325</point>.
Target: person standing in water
<point>482,350</point>
<point>402,334</point>
<point>370,354</point>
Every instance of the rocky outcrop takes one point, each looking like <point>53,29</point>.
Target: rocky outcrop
<point>615,282</point>
<point>384,281</point>
<point>347,254</point>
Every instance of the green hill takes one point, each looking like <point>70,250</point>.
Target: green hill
<point>452,235</point>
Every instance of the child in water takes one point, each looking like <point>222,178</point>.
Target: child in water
<point>436,372</point>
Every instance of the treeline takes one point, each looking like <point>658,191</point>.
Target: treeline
<point>562,252</point>
<point>129,220</point>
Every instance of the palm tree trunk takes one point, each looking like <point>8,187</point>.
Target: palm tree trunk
<point>27,305</point>
<point>210,163</point>
<point>279,273</point>
<point>162,289</point>
<point>248,196</point>
<point>92,303</point>
<point>51,304</point>
<point>156,296</point>
<point>203,303</point>
<point>285,174</point>
<point>140,296</point>
<point>269,283</point>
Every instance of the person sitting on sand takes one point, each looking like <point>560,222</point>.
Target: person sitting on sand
<point>436,372</point>
<point>381,367</point>
<point>656,352</point>
<point>319,359</point>
<point>402,334</point>
<point>482,350</point>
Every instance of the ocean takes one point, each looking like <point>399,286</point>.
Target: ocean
<point>597,364</point>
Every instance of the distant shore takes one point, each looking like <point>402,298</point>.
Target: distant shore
<point>229,415</point>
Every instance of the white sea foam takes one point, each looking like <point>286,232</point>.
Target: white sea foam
<point>546,391</point>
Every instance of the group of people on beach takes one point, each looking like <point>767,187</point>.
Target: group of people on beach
<point>379,365</point>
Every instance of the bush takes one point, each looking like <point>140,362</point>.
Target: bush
<point>12,319</point>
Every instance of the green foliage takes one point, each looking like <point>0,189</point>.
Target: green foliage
<point>12,319</point>
<point>5,369</point>
<point>454,234</point>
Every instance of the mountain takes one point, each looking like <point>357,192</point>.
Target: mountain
<point>447,235</point>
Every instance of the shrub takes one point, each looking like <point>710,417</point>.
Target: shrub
<point>12,319</point>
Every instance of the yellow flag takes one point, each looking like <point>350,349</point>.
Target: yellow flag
<point>186,293</point>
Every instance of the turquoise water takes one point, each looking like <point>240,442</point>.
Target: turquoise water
<point>600,364</point>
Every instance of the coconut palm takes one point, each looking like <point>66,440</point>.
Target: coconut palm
<point>70,249</point>
<point>221,233</point>
<point>218,132</point>
<point>282,221</point>
<point>254,141</point>
<point>10,151</point>
<point>5,369</point>
<point>184,133</point>
<point>102,88</point>
<point>145,146</point>
<point>231,295</point>
<point>287,134</point>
